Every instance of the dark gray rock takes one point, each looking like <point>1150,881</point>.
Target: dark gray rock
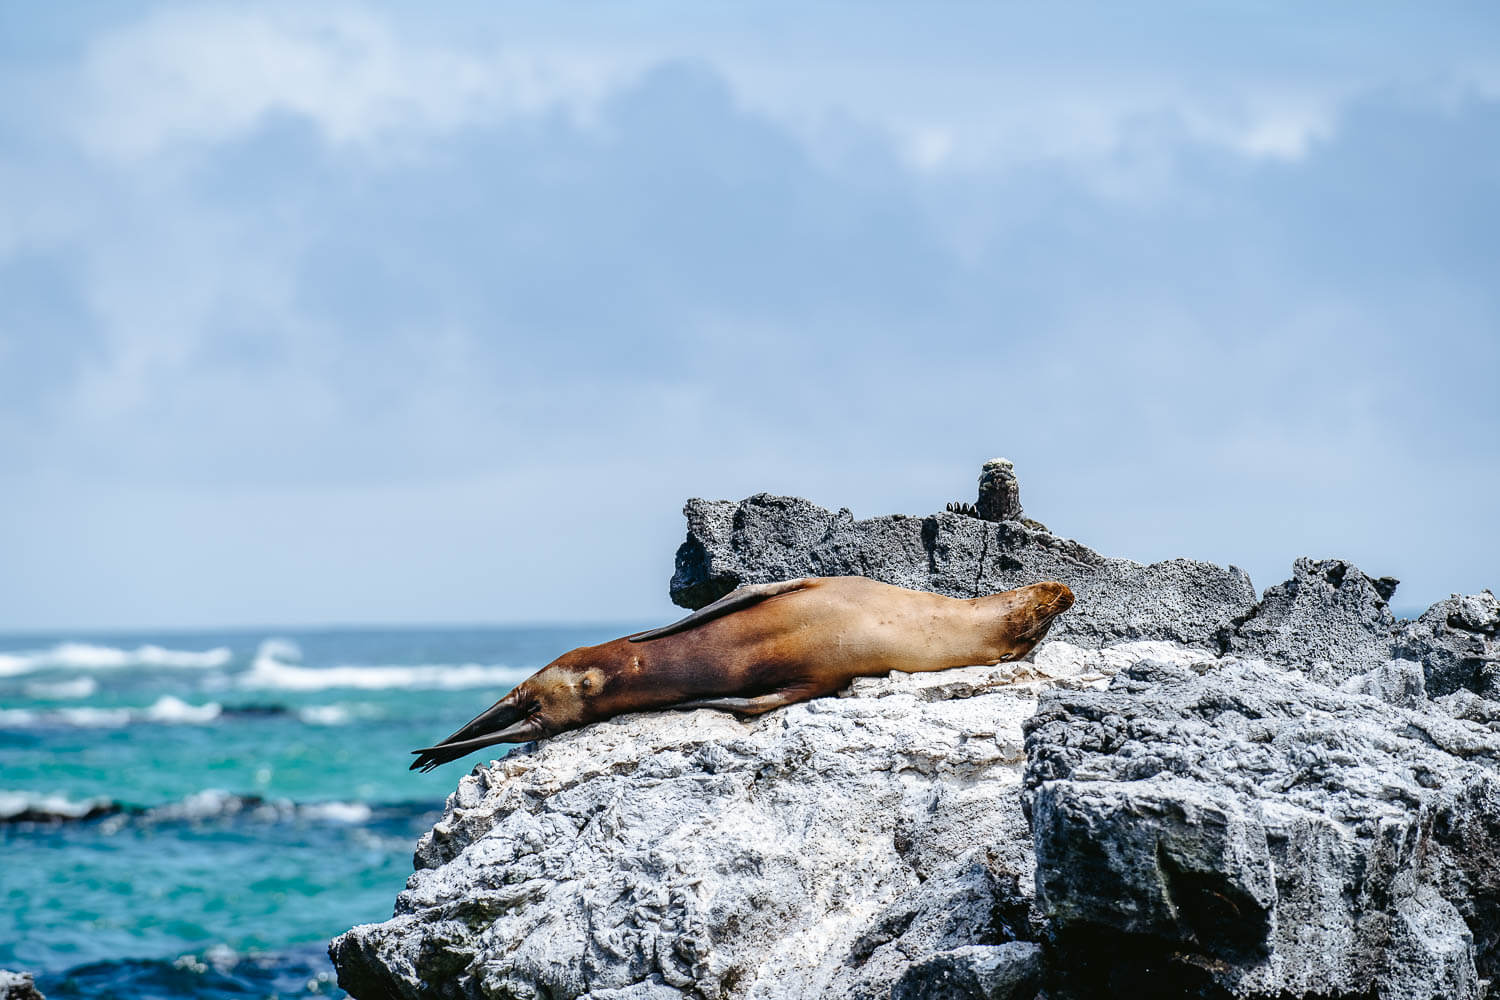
<point>18,986</point>
<point>766,538</point>
<point>1396,682</point>
<point>1464,704</point>
<point>651,988</point>
<point>1237,829</point>
<point>979,899</point>
<point>1458,642</point>
<point>978,972</point>
<point>1329,618</point>
<point>999,492</point>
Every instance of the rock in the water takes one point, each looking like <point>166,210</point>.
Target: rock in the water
<point>768,538</point>
<point>818,851</point>
<point>1233,829</point>
<point>978,972</point>
<point>18,986</point>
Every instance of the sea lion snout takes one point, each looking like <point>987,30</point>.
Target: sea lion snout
<point>1060,597</point>
<point>1046,601</point>
<point>520,716</point>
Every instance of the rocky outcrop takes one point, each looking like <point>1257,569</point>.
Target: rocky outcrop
<point>1329,619</point>
<point>18,986</point>
<point>1458,643</point>
<point>1010,971</point>
<point>818,851</point>
<point>1219,795</point>
<point>767,538</point>
<point>1233,829</point>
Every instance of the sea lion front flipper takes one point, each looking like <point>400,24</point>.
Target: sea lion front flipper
<point>731,602</point>
<point>750,706</point>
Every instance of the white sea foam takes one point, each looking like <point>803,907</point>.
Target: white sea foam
<point>336,812</point>
<point>165,710</point>
<point>208,804</point>
<point>280,650</point>
<point>270,669</point>
<point>78,687</point>
<point>325,715</point>
<point>201,805</point>
<point>289,677</point>
<point>88,657</point>
<point>89,718</point>
<point>216,803</point>
<point>15,803</point>
<point>174,710</point>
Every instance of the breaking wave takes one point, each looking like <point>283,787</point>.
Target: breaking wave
<point>77,687</point>
<point>215,803</point>
<point>208,805</point>
<point>86,656</point>
<point>325,715</point>
<point>217,972</point>
<point>166,710</point>
<point>24,807</point>
<point>275,666</point>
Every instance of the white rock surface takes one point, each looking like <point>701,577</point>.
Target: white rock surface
<point>817,851</point>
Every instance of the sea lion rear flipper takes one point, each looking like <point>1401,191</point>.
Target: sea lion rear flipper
<point>735,600</point>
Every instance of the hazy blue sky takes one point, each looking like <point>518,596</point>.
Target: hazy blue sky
<point>360,315</point>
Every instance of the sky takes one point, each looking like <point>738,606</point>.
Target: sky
<point>359,313</point>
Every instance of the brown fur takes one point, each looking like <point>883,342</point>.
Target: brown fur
<point>810,639</point>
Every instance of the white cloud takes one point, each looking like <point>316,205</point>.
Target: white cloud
<point>1026,96</point>
<point>209,75</point>
<point>928,148</point>
<point>212,74</point>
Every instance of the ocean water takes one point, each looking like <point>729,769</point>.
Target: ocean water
<point>195,814</point>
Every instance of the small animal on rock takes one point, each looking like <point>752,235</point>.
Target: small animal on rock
<point>762,647</point>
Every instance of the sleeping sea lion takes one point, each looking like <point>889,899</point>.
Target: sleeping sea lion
<point>762,647</point>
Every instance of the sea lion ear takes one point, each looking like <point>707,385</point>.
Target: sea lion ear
<point>736,600</point>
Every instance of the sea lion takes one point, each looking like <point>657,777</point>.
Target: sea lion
<point>762,647</point>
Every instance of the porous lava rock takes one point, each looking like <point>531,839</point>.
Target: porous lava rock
<point>816,851</point>
<point>1230,828</point>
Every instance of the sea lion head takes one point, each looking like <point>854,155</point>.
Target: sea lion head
<point>567,693</point>
<point>1026,613</point>
<point>562,695</point>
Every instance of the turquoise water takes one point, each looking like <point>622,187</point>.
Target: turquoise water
<point>194,815</point>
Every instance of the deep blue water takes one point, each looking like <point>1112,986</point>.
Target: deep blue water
<point>195,814</point>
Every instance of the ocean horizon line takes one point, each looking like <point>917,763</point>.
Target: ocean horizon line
<point>316,628</point>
